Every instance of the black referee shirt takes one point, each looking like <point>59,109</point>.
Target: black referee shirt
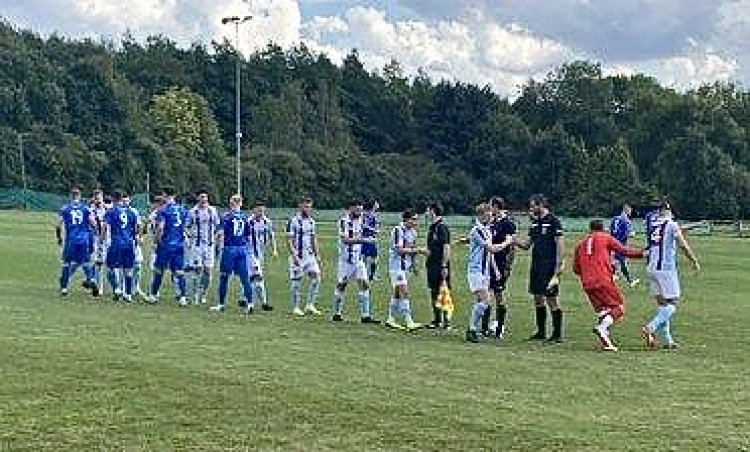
<point>437,237</point>
<point>501,228</point>
<point>543,233</point>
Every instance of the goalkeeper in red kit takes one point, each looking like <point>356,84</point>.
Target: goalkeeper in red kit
<point>593,265</point>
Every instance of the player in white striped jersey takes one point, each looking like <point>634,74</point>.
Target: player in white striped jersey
<point>304,257</point>
<point>202,227</point>
<point>351,265</point>
<point>665,237</point>
<point>400,267</point>
<point>98,209</point>
<point>479,269</point>
<point>262,237</point>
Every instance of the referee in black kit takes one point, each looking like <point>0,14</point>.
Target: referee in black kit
<point>438,262</point>
<point>546,243</point>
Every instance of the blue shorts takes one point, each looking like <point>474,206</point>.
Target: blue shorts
<point>234,260</point>
<point>121,256</point>
<point>170,257</point>
<point>77,253</point>
<point>369,250</point>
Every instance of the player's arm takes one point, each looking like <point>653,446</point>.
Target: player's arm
<point>685,247</point>
<point>290,240</point>
<point>633,253</point>
<point>577,260</point>
<point>272,239</point>
<point>159,233</point>
<point>59,230</point>
<point>559,255</point>
<point>316,247</point>
<point>524,244</point>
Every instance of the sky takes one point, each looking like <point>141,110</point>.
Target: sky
<point>500,43</point>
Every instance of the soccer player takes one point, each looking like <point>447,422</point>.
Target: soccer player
<point>202,226</point>
<point>546,242</point>
<point>121,232</point>
<point>503,234</point>
<point>261,236</point>
<point>401,265</point>
<point>170,247</point>
<point>234,232</point>
<point>138,263</point>
<point>666,236</point>
<point>480,260</point>
<point>621,228</point>
<point>304,257</point>
<point>98,209</point>
<point>351,266</point>
<point>371,230</point>
<point>593,264</point>
<point>438,263</point>
<point>76,222</point>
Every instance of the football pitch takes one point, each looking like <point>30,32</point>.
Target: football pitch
<point>90,374</point>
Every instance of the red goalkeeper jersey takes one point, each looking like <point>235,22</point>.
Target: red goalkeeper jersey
<point>593,259</point>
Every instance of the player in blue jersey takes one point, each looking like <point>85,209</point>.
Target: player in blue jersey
<point>666,236</point>
<point>121,232</point>
<point>138,266</point>
<point>371,231</point>
<point>202,227</point>
<point>621,228</point>
<point>234,233</point>
<point>74,236</point>
<point>479,268</point>
<point>170,247</point>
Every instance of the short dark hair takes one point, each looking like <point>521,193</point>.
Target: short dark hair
<point>408,213</point>
<point>435,207</point>
<point>116,196</point>
<point>370,204</point>
<point>108,200</point>
<point>497,202</point>
<point>596,225</point>
<point>664,204</point>
<point>201,191</point>
<point>168,190</point>
<point>539,199</point>
<point>259,203</point>
<point>355,202</point>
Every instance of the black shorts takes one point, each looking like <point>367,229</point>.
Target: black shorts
<point>435,278</point>
<point>499,279</point>
<point>539,277</point>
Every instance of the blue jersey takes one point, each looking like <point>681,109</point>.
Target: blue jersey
<point>620,228</point>
<point>236,228</point>
<point>172,218</point>
<point>479,257</point>
<point>371,225</point>
<point>76,216</point>
<point>123,226</point>
<point>663,249</point>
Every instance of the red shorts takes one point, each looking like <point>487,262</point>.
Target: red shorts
<point>607,298</point>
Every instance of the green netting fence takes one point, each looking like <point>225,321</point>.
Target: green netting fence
<point>36,201</point>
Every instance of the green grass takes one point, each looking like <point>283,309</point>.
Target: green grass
<point>83,374</point>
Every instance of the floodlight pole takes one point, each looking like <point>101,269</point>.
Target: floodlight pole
<point>237,20</point>
<point>22,159</point>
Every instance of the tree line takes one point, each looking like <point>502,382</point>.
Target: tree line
<point>104,114</point>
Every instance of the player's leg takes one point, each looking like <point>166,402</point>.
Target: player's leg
<point>608,305</point>
<point>365,305</point>
<point>312,269</point>
<point>127,265</point>
<point>537,288</point>
<point>552,300</point>
<point>479,287</point>
<point>113,265</point>
<point>295,282</point>
<point>226,265</point>
<point>242,271</point>
<point>405,305</point>
<point>157,276</point>
<point>344,272</point>
<point>259,284</point>
<point>177,267</point>
<point>433,283</point>
<point>65,274</point>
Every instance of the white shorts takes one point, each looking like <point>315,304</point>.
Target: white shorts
<point>478,281</point>
<point>100,251</point>
<point>255,267</point>
<point>307,265</point>
<point>348,271</point>
<point>202,256</point>
<point>399,278</point>
<point>664,283</point>
<point>138,254</point>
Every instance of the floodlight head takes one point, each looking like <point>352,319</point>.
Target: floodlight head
<point>226,20</point>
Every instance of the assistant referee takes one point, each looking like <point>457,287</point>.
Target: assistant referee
<point>438,262</point>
